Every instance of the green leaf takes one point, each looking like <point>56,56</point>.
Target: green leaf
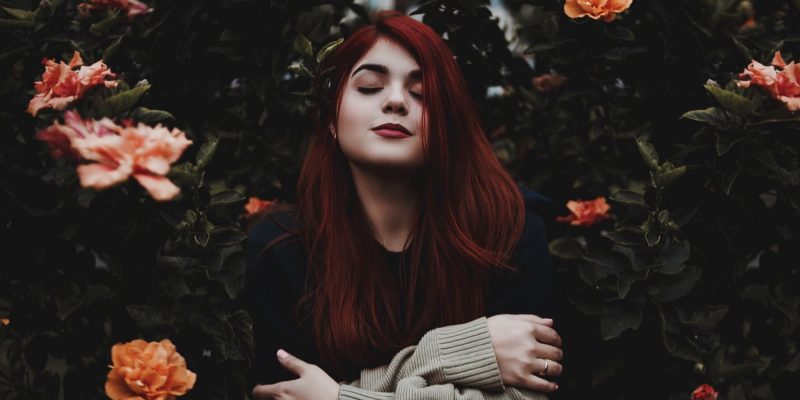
<point>303,46</point>
<point>202,238</point>
<point>118,103</point>
<point>113,19</point>
<point>609,261</point>
<point>626,279</point>
<point>626,236</point>
<point>145,114</point>
<point>112,48</point>
<point>566,248</point>
<point>711,116</point>
<point>147,317</point>
<point>628,197</point>
<point>206,151</point>
<point>225,198</point>
<point>730,100</point>
<point>328,49</point>
<point>15,24</point>
<point>675,257</point>
<point>667,178</point>
<point>648,152</point>
<point>617,317</point>
<point>675,287</point>
<point>300,69</point>
<point>227,236</point>
<point>620,33</point>
<point>705,318</point>
<point>19,13</point>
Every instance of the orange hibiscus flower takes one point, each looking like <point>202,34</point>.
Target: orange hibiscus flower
<point>142,151</point>
<point>606,10</point>
<point>780,84</point>
<point>61,84</point>
<point>586,213</point>
<point>704,392</point>
<point>131,7</point>
<point>255,207</point>
<point>147,371</point>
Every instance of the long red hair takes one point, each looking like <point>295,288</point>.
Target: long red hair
<point>469,214</point>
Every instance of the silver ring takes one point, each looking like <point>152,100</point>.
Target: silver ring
<point>546,364</point>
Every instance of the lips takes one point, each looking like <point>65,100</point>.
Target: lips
<point>393,127</point>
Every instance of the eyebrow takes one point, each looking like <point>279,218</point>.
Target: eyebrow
<point>381,69</point>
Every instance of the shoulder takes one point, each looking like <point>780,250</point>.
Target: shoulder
<point>539,211</point>
<point>272,226</point>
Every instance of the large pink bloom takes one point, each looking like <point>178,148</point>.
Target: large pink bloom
<point>131,7</point>
<point>142,151</point>
<point>780,84</point>
<point>61,84</point>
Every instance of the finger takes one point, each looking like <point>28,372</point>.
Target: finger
<point>267,392</point>
<point>291,362</point>
<point>546,334</point>
<point>534,318</point>
<point>548,352</point>
<point>538,384</point>
<point>554,368</point>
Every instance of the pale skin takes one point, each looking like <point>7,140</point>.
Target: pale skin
<point>385,87</point>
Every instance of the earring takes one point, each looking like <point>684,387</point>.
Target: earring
<point>333,131</point>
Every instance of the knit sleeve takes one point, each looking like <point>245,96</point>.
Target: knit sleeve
<point>415,388</point>
<point>450,362</point>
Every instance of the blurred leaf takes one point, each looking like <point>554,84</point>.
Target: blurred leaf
<point>118,103</point>
<point>19,13</point>
<point>303,46</point>
<point>226,198</point>
<point>617,317</point>
<point>677,286</point>
<point>731,101</point>
<point>611,262</point>
<point>705,318</point>
<point>711,116</point>
<point>206,151</point>
<point>145,114</point>
<point>628,197</point>
<point>674,257</point>
<point>648,152</point>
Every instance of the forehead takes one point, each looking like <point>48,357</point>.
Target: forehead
<point>396,58</point>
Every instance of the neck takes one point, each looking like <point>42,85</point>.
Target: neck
<point>389,199</point>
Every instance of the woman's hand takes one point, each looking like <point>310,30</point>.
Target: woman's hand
<point>523,343</point>
<point>313,384</point>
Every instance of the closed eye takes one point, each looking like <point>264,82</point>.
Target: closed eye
<point>371,90</point>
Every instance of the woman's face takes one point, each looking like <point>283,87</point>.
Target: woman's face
<point>384,87</point>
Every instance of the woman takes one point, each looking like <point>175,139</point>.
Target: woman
<point>412,265</point>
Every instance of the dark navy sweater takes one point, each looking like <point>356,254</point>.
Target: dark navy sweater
<point>275,280</point>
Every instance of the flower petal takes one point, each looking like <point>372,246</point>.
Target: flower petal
<point>159,187</point>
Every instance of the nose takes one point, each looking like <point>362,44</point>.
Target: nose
<point>395,101</point>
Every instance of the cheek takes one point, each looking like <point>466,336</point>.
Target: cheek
<point>354,116</point>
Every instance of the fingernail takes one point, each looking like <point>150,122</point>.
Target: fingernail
<point>556,386</point>
<point>282,354</point>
